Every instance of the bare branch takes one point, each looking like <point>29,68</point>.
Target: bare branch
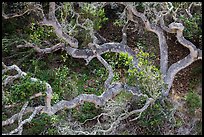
<point>46,50</point>
<point>109,68</point>
<point>162,40</point>
<point>36,110</point>
<point>97,47</point>
<point>124,33</point>
<point>31,6</point>
<point>52,11</point>
<point>111,92</point>
<point>148,102</point>
<point>20,117</point>
<point>193,56</point>
<point>15,116</point>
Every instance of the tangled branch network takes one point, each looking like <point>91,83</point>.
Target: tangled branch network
<point>96,48</point>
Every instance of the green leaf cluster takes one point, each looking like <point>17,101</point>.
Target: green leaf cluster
<point>193,101</point>
<point>40,33</point>
<point>97,15</point>
<point>148,76</point>
<point>192,26</point>
<point>87,111</point>
<point>23,89</point>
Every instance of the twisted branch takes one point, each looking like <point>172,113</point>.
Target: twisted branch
<point>194,55</point>
<point>162,40</point>
<point>108,67</point>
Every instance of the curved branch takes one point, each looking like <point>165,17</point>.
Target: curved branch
<point>57,27</point>
<point>148,102</point>
<point>97,100</point>
<point>125,115</point>
<point>162,40</point>
<point>36,110</point>
<point>108,67</point>
<point>20,117</point>
<point>23,74</point>
<point>164,27</point>
<point>58,30</point>
<point>124,33</point>
<point>110,93</point>
<point>32,7</point>
<point>87,54</point>
<point>12,119</point>
<point>45,50</point>
<point>199,54</point>
<point>194,55</point>
<point>174,69</point>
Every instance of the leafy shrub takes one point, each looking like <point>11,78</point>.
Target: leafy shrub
<point>87,111</point>
<point>97,15</point>
<point>193,101</point>
<point>44,124</point>
<point>125,60</point>
<point>192,26</point>
<point>118,60</point>
<point>58,79</point>
<point>40,33</point>
<point>123,96</point>
<point>153,119</point>
<point>24,88</point>
<point>148,77</point>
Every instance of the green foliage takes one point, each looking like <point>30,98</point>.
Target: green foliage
<point>10,27</point>
<point>119,22</point>
<point>42,124</point>
<point>153,118</point>
<point>149,77</point>
<point>197,70</point>
<point>61,76</point>
<point>90,17</point>
<point>87,111</point>
<point>111,58</point>
<point>37,65</point>
<point>67,84</point>
<point>125,60</point>
<point>116,76</point>
<point>58,80</point>
<point>97,15</point>
<point>66,11</point>
<point>192,29</point>
<point>100,72</point>
<point>63,86</point>
<point>178,122</point>
<point>193,101</point>
<point>119,60</point>
<point>23,89</point>
<point>8,43</point>
<point>91,85</point>
<point>140,44</point>
<point>140,6</point>
<point>40,33</point>
<point>199,128</point>
<point>123,96</point>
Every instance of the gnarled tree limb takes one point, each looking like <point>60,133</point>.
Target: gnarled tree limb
<point>162,40</point>
<point>194,55</point>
